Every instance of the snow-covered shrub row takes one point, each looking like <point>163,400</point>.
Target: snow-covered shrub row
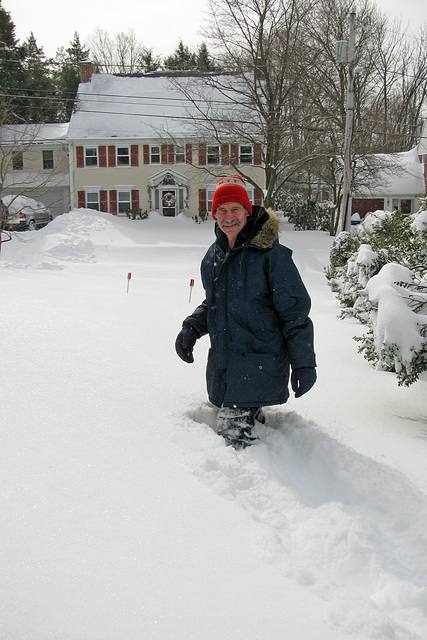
<point>305,214</point>
<point>379,274</point>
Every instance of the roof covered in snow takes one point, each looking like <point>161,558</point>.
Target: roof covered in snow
<point>397,174</point>
<point>34,133</point>
<point>145,107</point>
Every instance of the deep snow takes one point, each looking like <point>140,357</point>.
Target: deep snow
<point>123,513</point>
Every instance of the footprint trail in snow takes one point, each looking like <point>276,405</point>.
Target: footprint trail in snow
<point>339,523</point>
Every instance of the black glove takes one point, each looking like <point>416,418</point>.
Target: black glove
<point>302,380</point>
<point>184,343</point>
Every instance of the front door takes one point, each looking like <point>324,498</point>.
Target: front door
<point>169,202</point>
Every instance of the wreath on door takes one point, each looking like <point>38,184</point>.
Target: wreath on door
<point>169,199</point>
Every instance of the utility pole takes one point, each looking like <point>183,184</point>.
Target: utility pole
<point>345,212</point>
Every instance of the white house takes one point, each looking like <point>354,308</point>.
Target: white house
<point>399,183</point>
<point>34,163</point>
<point>134,144</point>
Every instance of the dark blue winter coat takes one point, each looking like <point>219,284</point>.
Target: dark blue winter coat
<point>256,313</point>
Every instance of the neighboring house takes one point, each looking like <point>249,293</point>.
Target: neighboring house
<point>34,163</point>
<point>134,146</point>
<point>399,183</point>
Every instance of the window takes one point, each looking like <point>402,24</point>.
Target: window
<point>123,157</point>
<point>181,201</point>
<point>91,157</point>
<point>245,154</point>
<point>209,198</point>
<point>403,205</point>
<point>155,155</point>
<point>18,161</point>
<point>179,154</point>
<point>92,200</point>
<point>124,201</point>
<point>213,154</point>
<point>47,157</point>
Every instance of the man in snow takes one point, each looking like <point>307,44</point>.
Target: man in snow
<point>256,313</point>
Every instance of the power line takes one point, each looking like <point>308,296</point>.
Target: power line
<point>92,98</point>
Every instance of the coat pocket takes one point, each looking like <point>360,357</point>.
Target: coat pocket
<point>257,378</point>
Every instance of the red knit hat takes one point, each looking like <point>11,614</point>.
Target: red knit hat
<point>231,189</point>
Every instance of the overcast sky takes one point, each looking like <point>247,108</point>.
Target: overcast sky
<point>159,24</point>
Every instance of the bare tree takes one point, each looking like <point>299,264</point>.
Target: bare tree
<point>259,99</point>
<point>389,92</point>
<point>102,50</point>
<point>289,92</point>
<point>121,54</point>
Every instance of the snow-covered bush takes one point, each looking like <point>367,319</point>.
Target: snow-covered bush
<point>380,277</point>
<point>202,216</point>
<point>306,215</point>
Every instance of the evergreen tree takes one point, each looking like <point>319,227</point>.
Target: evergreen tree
<point>181,60</point>
<point>203,59</point>
<point>67,75</point>
<point>12,73</point>
<point>149,62</point>
<point>39,87</point>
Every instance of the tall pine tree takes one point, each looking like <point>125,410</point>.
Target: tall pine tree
<point>181,60</point>
<point>42,104</point>
<point>67,76</point>
<point>12,73</point>
<point>203,59</point>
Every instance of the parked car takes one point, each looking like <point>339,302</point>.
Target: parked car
<point>25,213</point>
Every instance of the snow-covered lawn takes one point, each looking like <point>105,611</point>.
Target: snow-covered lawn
<point>124,516</point>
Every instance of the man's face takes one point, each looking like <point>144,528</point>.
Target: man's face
<point>231,218</point>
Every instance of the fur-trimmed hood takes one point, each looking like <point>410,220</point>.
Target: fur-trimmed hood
<point>268,233</point>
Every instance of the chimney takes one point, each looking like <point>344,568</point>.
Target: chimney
<point>87,69</point>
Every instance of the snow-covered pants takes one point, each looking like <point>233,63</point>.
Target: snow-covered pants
<point>235,425</point>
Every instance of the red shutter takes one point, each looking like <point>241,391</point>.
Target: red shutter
<point>146,154</point>
<point>257,154</point>
<point>234,154</point>
<point>81,197</point>
<point>225,158</point>
<point>202,200</point>
<point>111,156</point>
<point>103,200</point>
<point>164,153</point>
<point>189,153</point>
<point>102,152</point>
<point>113,202</point>
<point>202,154</point>
<point>134,155</point>
<point>257,197</point>
<point>171,154</point>
<point>80,158</point>
<point>135,199</point>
